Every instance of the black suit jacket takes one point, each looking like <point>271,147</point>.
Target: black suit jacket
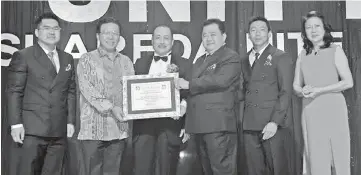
<point>39,98</point>
<point>267,89</point>
<point>141,67</point>
<point>213,93</point>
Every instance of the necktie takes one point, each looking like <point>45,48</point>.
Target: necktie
<point>205,58</point>
<point>255,60</point>
<point>51,57</point>
<point>164,58</point>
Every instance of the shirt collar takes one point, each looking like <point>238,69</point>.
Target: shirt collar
<point>261,51</point>
<point>104,53</point>
<point>47,51</point>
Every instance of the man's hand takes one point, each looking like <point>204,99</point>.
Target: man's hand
<point>269,130</point>
<point>185,135</point>
<point>70,130</point>
<point>18,134</point>
<point>118,113</point>
<point>181,83</point>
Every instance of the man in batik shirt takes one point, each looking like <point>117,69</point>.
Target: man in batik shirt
<point>102,129</point>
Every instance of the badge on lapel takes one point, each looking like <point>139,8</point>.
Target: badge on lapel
<point>68,68</point>
<point>268,61</point>
<point>213,66</point>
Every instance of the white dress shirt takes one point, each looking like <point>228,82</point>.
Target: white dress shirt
<point>252,55</point>
<point>160,67</point>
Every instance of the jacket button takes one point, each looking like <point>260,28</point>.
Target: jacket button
<point>42,77</point>
<point>255,105</point>
<point>256,91</point>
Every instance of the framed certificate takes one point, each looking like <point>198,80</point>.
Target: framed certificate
<point>150,96</point>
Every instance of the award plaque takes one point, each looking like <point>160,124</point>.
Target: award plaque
<point>150,96</point>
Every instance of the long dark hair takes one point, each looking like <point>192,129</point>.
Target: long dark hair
<point>327,38</point>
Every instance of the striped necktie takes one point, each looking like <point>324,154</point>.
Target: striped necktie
<point>255,60</point>
<point>51,57</point>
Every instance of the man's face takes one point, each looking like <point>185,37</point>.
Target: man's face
<point>258,33</point>
<point>48,32</point>
<point>162,40</point>
<point>212,37</point>
<point>109,36</point>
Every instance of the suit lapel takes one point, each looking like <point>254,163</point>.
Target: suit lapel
<point>174,60</point>
<point>61,69</point>
<point>199,66</point>
<point>147,64</point>
<point>212,59</point>
<point>44,60</point>
<point>262,59</point>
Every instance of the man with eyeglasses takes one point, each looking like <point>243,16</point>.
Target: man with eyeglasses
<point>41,100</point>
<point>102,130</point>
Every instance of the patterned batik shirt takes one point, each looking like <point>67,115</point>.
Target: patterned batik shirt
<point>101,88</point>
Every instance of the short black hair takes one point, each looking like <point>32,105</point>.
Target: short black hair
<point>107,20</point>
<point>327,38</point>
<point>46,15</point>
<point>165,26</point>
<point>259,18</point>
<point>217,21</point>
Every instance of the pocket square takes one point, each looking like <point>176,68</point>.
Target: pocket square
<point>268,61</point>
<point>68,68</point>
<point>213,66</point>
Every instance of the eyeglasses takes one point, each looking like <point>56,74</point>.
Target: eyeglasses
<point>110,33</point>
<point>46,28</point>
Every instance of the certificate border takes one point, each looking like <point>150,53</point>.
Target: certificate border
<point>153,113</point>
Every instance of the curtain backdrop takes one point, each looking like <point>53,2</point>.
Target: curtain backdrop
<point>138,19</point>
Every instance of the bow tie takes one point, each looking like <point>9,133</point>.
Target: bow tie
<point>164,58</point>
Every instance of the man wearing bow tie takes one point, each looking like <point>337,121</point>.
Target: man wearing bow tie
<point>158,140</point>
<point>41,100</point>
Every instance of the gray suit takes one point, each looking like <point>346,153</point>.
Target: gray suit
<point>211,110</point>
<point>44,102</point>
<point>267,90</point>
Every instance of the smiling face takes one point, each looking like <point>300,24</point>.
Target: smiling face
<point>162,40</point>
<point>315,30</point>
<point>259,34</point>
<point>213,38</point>
<point>109,36</point>
<point>48,32</point>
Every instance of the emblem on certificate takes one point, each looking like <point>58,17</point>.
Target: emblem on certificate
<point>150,96</point>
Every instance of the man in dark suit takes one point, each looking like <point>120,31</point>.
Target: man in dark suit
<point>267,89</point>
<point>41,98</point>
<point>211,109</point>
<point>159,137</point>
